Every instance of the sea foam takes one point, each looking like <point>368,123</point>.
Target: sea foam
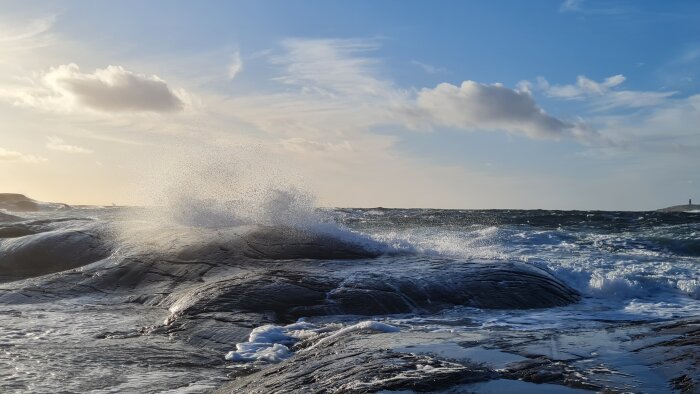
<point>272,343</point>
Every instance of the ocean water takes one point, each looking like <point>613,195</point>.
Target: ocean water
<point>627,265</point>
<point>63,332</point>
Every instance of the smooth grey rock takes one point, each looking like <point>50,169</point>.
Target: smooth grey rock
<point>280,243</point>
<point>48,252</point>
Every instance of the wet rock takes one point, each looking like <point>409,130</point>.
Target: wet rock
<point>344,365</point>
<point>15,231</point>
<point>293,290</point>
<point>48,252</point>
<point>678,356</point>
<point>685,384</point>
<point>289,243</point>
<point>6,217</point>
<point>544,370</point>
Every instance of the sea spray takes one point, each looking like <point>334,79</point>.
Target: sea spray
<point>195,193</point>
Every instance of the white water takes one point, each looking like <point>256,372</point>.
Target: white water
<point>271,343</point>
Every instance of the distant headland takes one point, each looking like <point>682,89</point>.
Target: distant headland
<point>16,202</point>
<point>689,207</point>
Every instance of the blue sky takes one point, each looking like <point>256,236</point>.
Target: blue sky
<point>481,104</point>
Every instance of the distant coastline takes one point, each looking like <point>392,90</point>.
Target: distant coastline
<point>681,208</point>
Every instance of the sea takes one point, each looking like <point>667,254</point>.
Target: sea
<point>80,316</point>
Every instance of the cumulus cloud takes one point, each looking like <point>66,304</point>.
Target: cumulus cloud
<point>479,106</point>
<point>236,65</point>
<point>56,143</point>
<point>112,89</point>
<point>8,155</point>
<point>341,95</point>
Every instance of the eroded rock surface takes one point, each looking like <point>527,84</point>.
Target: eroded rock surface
<point>346,365</point>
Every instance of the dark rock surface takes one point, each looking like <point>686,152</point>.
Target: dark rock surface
<point>679,356</point>
<point>221,276</point>
<point>346,365</point>
<point>289,243</point>
<point>5,217</point>
<point>48,252</point>
<point>15,230</point>
<point>288,291</point>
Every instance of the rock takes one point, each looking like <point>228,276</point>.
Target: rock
<point>48,252</point>
<point>17,203</point>
<point>681,208</point>
<point>679,356</point>
<point>4,217</point>
<point>685,384</point>
<point>347,365</point>
<point>288,243</point>
<point>296,289</point>
<point>15,230</point>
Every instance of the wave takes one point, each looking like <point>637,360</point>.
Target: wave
<point>626,285</point>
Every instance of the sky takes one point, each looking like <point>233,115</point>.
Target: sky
<point>576,104</point>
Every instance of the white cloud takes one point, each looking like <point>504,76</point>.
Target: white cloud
<point>24,36</point>
<point>584,87</point>
<point>603,95</point>
<point>477,106</point>
<point>236,65</point>
<point>113,89</point>
<point>595,8</point>
<point>340,93</point>
<point>429,68</point>
<point>330,89</point>
<point>56,143</point>
<point>633,99</point>
<point>301,145</point>
<point>8,155</point>
<point>334,67</point>
<point>689,55</point>
<point>570,6</point>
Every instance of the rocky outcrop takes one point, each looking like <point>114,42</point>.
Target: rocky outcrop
<point>345,365</point>
<point>48,252</point>
<point>281,243</point>
<point>17,203</point>
<point>681,208</point>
